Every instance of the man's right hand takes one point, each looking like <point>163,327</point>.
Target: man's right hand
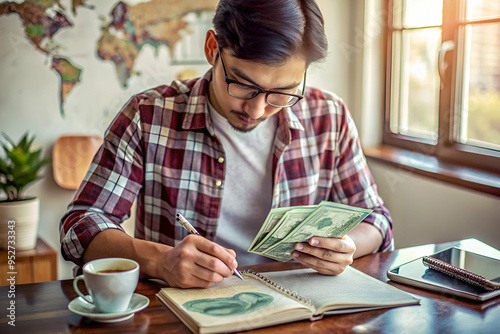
<point>196,262</point>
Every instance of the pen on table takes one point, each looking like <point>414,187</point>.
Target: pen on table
<point>183,221</point>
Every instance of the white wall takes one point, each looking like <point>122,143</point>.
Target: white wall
<point>335,73</point>
<point>427,211</point>
<point>28,101</point>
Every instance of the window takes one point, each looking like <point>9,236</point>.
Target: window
<point>443,80</point>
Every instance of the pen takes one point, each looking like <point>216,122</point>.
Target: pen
<point>191,230</point>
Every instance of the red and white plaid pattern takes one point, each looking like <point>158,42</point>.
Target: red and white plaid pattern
<point>161,148</point>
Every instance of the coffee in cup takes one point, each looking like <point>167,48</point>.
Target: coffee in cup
<point>111,282</point>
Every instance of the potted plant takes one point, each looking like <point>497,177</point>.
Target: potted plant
<point>19,215</point>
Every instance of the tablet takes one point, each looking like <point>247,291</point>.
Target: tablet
<point>415,273</point>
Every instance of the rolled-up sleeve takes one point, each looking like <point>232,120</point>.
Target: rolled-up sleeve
<point>85,225</point>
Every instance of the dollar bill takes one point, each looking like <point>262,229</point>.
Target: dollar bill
<point>324,222</point>
<point>290,219</point>
<point>327,219</point>
<point>272,219</point>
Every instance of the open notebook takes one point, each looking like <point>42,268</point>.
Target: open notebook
<point>279,297</point>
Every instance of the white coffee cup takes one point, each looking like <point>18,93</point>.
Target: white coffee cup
<point>111,282</point>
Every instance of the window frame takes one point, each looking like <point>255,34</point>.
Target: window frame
<point>445,148</point>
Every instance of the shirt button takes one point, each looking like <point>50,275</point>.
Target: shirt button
<point>220,160</point>
<point>218,183</point>
<point>212,234</point>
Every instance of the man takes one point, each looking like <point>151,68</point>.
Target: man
<point>223,150</point>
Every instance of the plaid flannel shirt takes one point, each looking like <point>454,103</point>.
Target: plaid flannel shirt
<point>161,147</point>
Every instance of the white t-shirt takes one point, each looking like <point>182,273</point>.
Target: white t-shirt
<point>247,192</point>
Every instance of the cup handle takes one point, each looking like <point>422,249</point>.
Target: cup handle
<point>87,299</point>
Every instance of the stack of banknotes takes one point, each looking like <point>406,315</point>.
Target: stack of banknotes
<point>284,227</point>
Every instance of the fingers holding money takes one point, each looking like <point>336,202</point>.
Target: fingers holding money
<point>328,256</point>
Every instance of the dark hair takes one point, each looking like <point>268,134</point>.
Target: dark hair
<point>271,31</point>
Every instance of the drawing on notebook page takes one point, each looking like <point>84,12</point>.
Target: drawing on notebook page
<point>245,302</point>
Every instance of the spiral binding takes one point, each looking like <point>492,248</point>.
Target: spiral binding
<point>275,286</point>
<point>460,273</point>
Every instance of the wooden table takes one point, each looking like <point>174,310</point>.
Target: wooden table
<point>42,307</point>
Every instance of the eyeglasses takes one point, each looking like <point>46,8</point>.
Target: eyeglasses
<point>248,92</point>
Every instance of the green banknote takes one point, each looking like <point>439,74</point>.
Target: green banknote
<point>289,220</point>
<point>272,219</point>
<point>326,219</point>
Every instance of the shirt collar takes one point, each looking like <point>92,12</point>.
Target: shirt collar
<point>196,113</point>
<point>292,119</point>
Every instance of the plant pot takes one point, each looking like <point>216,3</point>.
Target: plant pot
<point>19,224</point>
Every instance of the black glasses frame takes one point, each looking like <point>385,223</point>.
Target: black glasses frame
<point>257,89</point>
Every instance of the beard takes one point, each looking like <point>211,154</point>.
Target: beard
<point>242,129</point>
<point>242,117</point>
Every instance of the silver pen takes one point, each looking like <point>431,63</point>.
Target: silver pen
<point>191,230</point>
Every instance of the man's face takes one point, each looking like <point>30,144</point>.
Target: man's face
<point>245,115</point>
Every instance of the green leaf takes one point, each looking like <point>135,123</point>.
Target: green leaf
<point>10,141</point>
<point>21,165</point>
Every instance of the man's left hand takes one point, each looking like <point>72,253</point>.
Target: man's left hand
<point>328,256</point>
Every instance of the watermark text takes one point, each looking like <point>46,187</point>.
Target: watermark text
<point>11,272</point>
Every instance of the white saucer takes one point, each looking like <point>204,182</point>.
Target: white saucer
<point>137,303</point>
